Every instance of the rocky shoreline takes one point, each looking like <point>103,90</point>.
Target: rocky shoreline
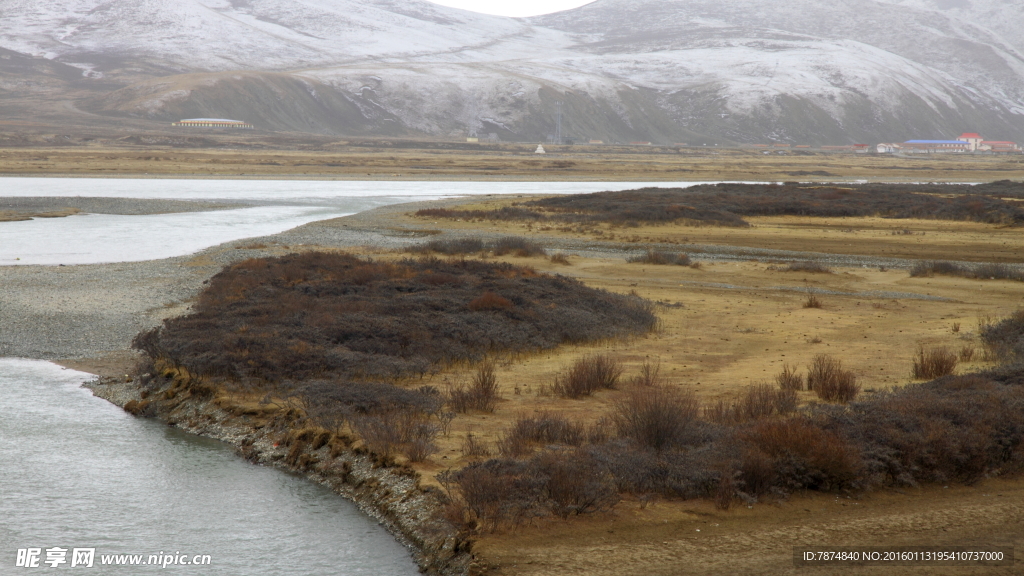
<point>388,492</point>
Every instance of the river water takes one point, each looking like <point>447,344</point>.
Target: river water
<point>270,207</point>
<point>78,472</point>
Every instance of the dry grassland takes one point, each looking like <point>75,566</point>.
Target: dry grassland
<point>345,160</point>
<point>726,326</point>
<point>869,236</point>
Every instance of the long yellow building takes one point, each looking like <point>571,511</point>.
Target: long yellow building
<point>212,123</point>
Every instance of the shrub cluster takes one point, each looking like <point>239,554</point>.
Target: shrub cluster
<point>318,315</point>
<point>830,381</point>
<point>527,432</point>
<point>656,417</point>
<point>788,379</point>
<point>983,271</point>
<point>588,375</point>
<point>810,267</point>
<point>954,428</point>
<point>449,246</point>
<point>481,394</point>
<point>1005,339</point>
<point>387,417</point>
<point>726,204</point>
<point>813,301</point>
<point>507,491</point>
<point>760,401</point>
<point>514,245</point>
<point>934,362</point>
<point>660,258</point>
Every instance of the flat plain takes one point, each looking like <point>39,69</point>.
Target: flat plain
<point>730,323</point>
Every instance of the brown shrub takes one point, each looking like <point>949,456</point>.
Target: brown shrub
<point>966,353</point>
<point>655,417</point>
<point>588,375</point>
<point>803,455</point>
<point>812,302</point>
<point>517,246</point>
<point>827,378</point>
<point>560,258</point>
<point>649,374</point>
<point>977,271</point>
<point>473,447</point>
<point>481,394</point>
<point>954,428</point>
<point>788,379</point>
<point>407,431</point>
<point>759,401</point>
<point>505,492</point>
<point>573,483</point>
<point>1004,340</point>
<point>450,246</point>
<point>658,257</point>
<point>810,267</point>
<point>528,431</point>
<point>496,492</point>
<point>935,362</point>
<point>489,301</point>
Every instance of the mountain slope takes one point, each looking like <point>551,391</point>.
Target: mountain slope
<point>714,71</point>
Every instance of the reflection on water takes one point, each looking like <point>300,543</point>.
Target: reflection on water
<point>76,471</point>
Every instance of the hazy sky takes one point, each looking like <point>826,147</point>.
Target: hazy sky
<point>513,7</point>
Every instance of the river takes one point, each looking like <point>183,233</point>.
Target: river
<point>78,472</point>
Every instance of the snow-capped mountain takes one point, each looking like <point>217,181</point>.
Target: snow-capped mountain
<point>802,71</point>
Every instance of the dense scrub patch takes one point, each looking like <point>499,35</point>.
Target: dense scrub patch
<point>727,204</point>
<point>952,429</point>
<point>659,257</point>
<point>1005,339</point>
<point>319,315</point>
<point>513,245</point>
<point>978,271</point>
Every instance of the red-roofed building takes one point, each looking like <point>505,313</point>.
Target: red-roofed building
<point>973,139</point>
<point>999,147</point>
